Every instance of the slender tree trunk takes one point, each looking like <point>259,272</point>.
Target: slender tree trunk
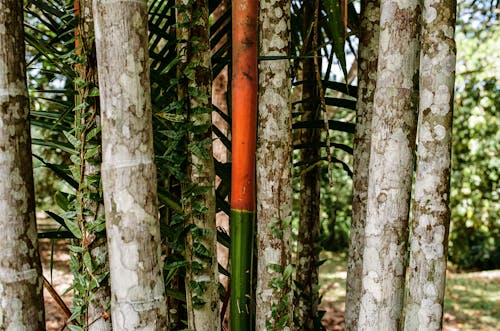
<point>128,169</point>
<point>431,213</point>
<point>367,74</point>
<point>274,169</point>
<point>244,130</point>
<point>21,304</point>
<point>202,279</point>
<point>391,167</point>
<point>87,119</point>
<point>306,297</point>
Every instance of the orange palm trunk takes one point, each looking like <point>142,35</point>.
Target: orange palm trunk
<point>244,134</point>
<point>244,104</point>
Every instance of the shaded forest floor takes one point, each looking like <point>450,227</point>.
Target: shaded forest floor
<point>471,298</point>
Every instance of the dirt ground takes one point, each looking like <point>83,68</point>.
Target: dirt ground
<point>60,278</point>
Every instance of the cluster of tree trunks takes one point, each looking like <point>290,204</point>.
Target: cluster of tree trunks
<point>414,84</point>
<point>406,76</point>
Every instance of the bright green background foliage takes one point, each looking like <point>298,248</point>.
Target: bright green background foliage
<point>475,166</point>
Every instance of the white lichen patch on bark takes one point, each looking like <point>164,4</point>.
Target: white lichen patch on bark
<point>428,249</point>
<point>21,301</point>
<point>274,190</point>
<point>128,171</point>
<point>389,183</point>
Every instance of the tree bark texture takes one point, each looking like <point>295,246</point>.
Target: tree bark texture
<point>367,79</point>
<point>306,297</point>
<point>274,169</point>
<point>431,211</point>
<point>21,303</point>
<point>391,166</point>
<point>128,169</point>
<point>202,279</point>
<point>88,119</point>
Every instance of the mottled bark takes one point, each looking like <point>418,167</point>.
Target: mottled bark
<point>21,303</point>
<point>306,297</point>
<point>431,211</point>
<point>202,279</point>
<point>367,79</point>
<point>274,168</point>
<point>86,120</point>
<point>128,169</point>
<point>391,166</point>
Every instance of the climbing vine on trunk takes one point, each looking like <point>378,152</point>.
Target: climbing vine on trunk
<point>195,70</point>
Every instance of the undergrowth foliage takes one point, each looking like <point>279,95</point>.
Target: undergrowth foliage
<point>173,80</point>
<point>88,261</point>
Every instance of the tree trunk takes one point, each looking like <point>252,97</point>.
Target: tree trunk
<point>306,298</point>
<point>391,167</point>
<point>21,304</point>
<point>128,169</point>
<point>202,279</point>
<point>367,74</point>
<point>86,120</point>
<point>274,171</point>
<point>244,130</point>
<point>429,241</point>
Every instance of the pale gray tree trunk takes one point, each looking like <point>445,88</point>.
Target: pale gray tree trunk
<point>128,169</point>
<point>87,119</point>
<point>274,170</point>
<point>431,211</point>
<point>367,79</point>
<point>391,166</point>
<point>306,297</point>
<point>21,303</point>
<point>202,278</point>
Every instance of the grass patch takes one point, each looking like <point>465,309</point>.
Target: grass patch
<point>471,301</point>
<point>472,298</point>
